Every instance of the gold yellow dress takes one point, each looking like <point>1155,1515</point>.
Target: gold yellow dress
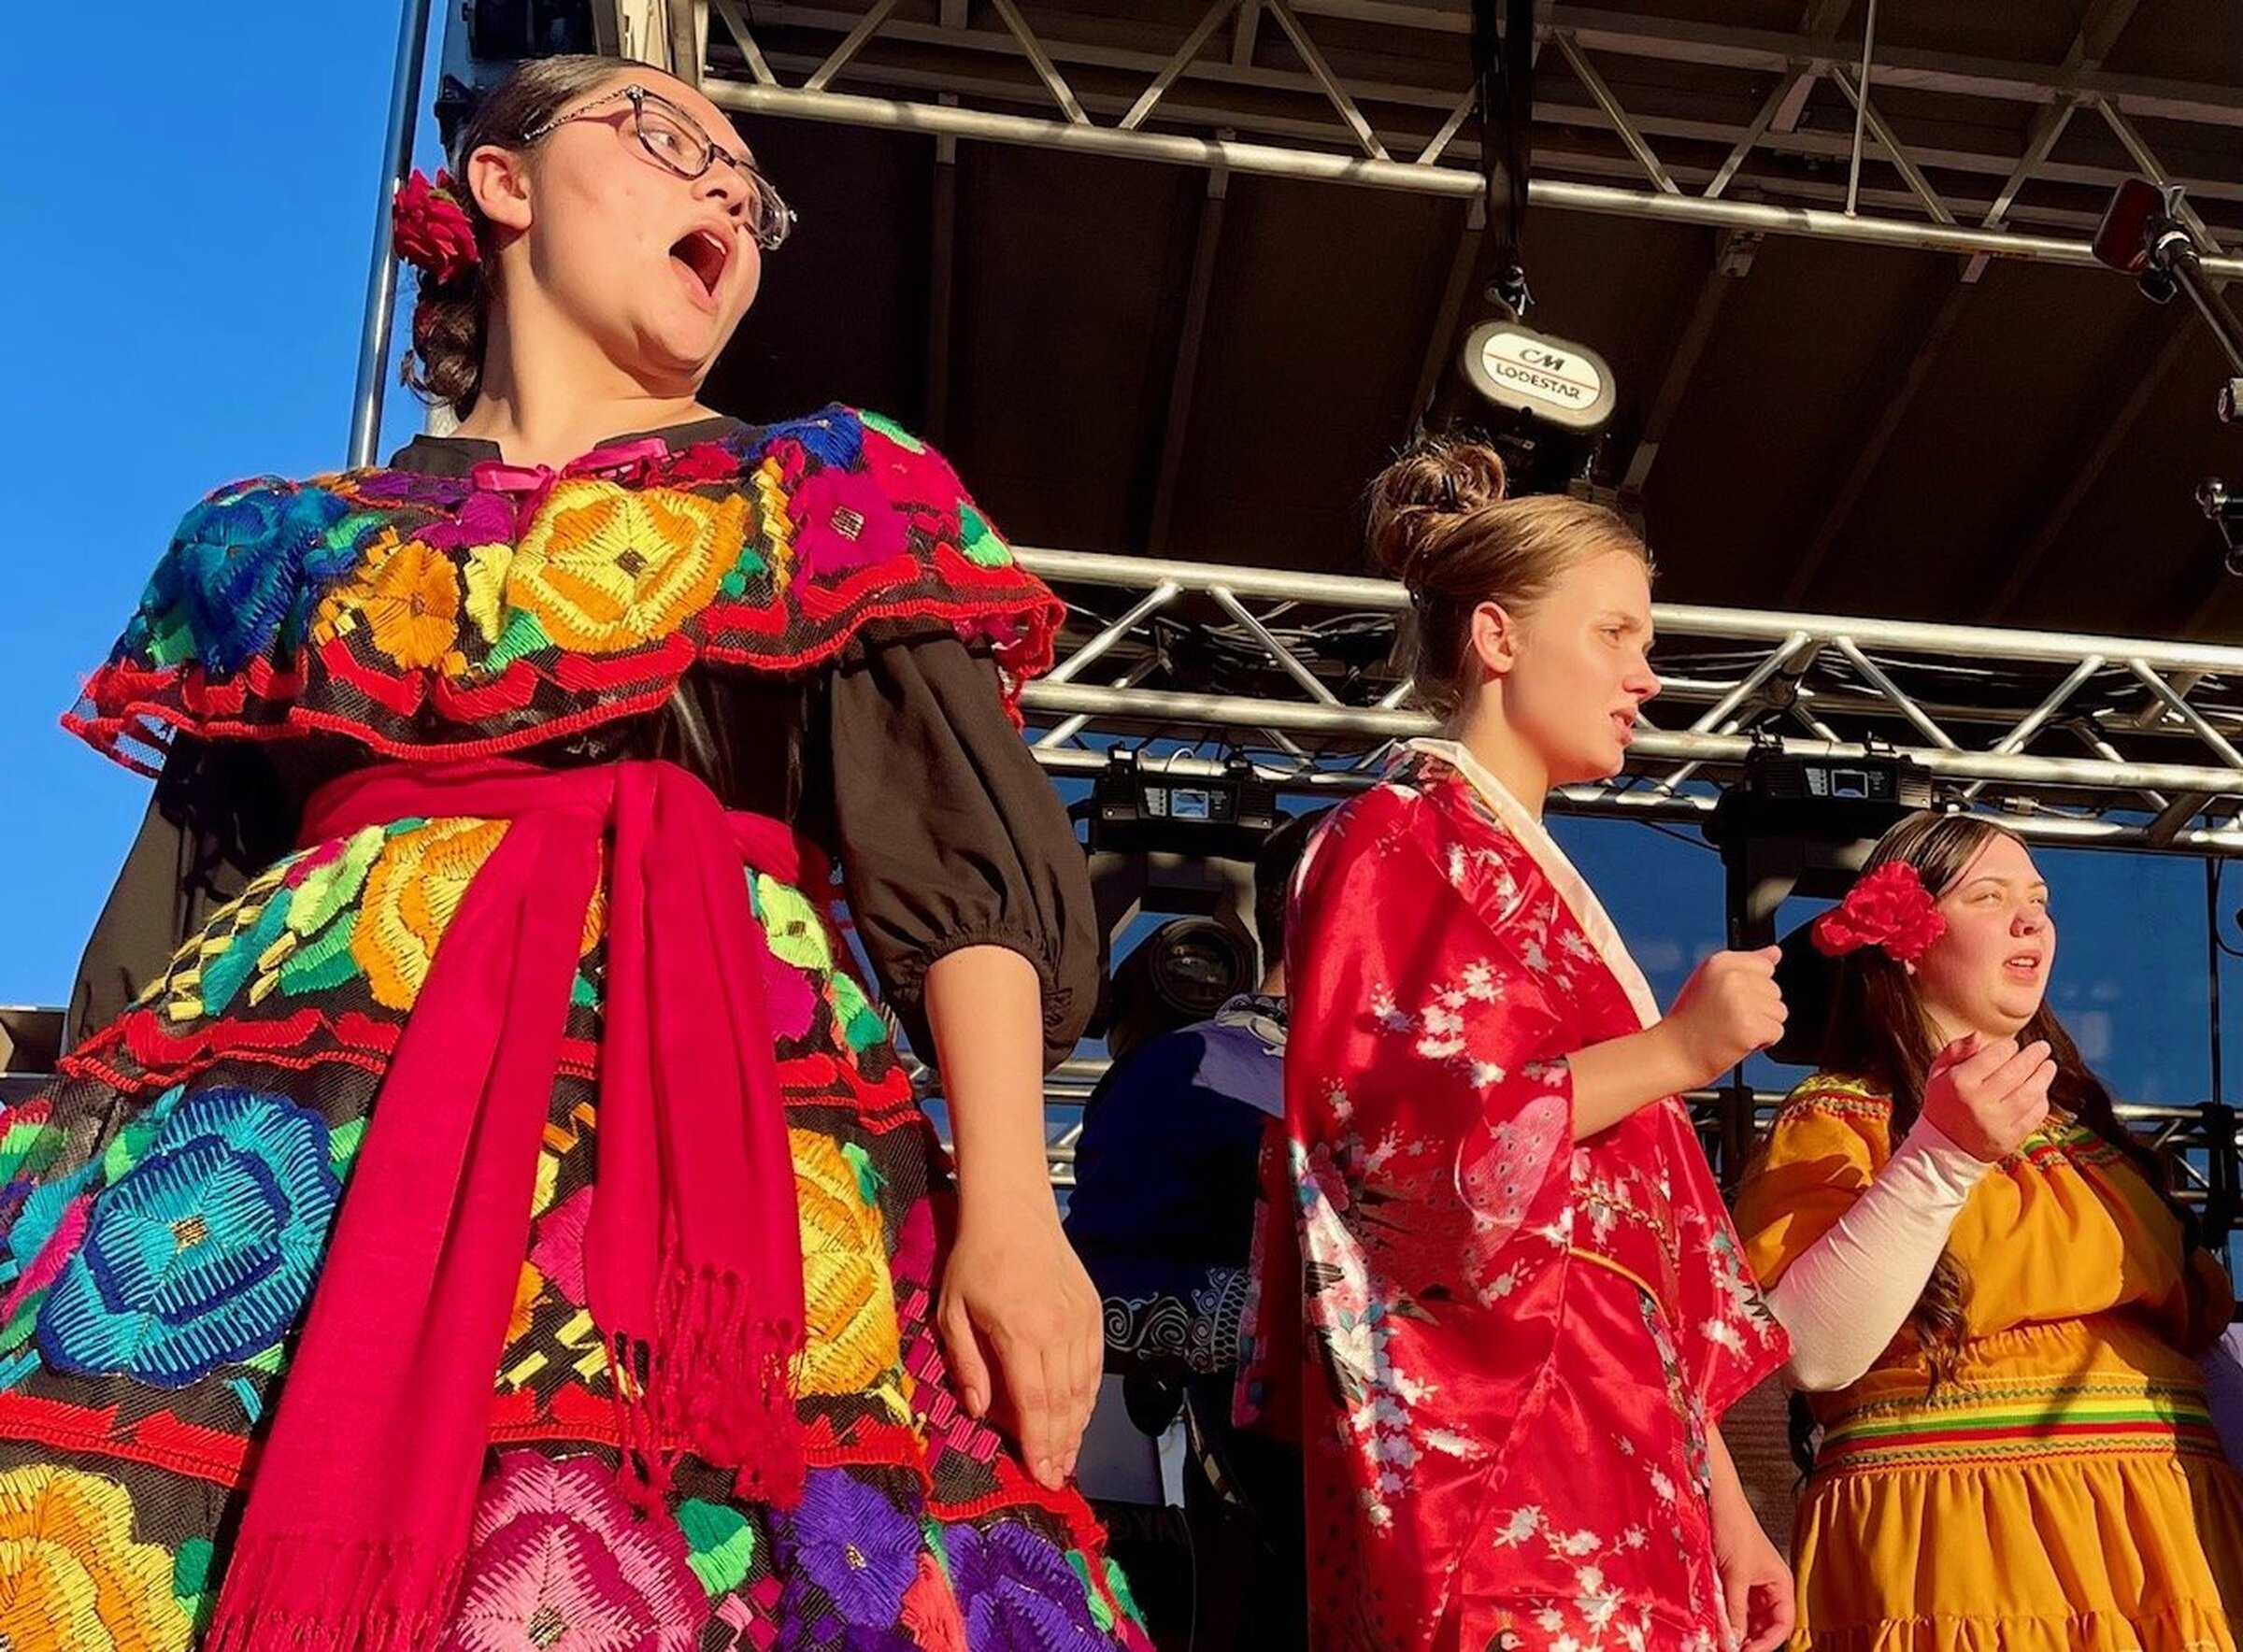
<point>2065,1492</point>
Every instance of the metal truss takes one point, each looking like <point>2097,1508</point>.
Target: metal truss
<point>2119,742</point>
<point>1724,130</point>
<point>2199,1142</point>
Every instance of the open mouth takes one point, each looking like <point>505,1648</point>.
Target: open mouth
<point>2024,962</point>
<point>1626,725</point>
<point>704,255</point>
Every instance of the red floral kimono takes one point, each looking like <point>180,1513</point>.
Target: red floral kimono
<point>1511,1350</point>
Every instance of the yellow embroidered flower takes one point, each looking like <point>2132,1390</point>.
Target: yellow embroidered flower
<point>407,596</point>
<point>604,569</point>
<point>71,1577</point>
<point>411,602</point>
<point>845,1281</point>
<point>485,573</point>
<point>412,892</point>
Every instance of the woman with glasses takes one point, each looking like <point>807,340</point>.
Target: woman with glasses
<point>509,1224</point>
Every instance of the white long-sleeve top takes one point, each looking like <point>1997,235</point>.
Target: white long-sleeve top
<point>1846,1295</point>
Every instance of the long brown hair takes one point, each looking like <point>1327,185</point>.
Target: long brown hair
<point>1879,1032</point>
<point>451,320</point>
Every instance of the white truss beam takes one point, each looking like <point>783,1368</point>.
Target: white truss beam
<point>1112,81</point>
<point>1998,715</point>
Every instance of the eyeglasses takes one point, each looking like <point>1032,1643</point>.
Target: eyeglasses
<point>672,138</point>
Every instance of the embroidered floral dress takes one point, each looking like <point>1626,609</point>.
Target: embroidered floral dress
<point>1509,1350</point>
<point>808,622</point>
<point>2064,1489</point>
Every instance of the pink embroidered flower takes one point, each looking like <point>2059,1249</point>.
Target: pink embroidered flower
<point>558,1250</point>
<point>847,523</point>
<point>480,519</point>
<point>793,997</point>
<point>1888,908</point>
<point>559,1561</point>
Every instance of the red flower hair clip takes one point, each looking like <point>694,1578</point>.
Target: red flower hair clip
<point>1889,909</point>
<point>431,231</point>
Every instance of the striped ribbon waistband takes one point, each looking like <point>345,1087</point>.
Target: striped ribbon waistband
<point>2127,1419</point>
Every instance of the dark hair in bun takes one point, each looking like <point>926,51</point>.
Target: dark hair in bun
<point>1440,523</point>
<point>451,320</point>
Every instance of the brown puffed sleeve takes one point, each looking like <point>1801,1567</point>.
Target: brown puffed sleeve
<point>221,814</point>
<point>950,834</point>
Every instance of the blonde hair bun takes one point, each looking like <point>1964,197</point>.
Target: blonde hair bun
<point>1418,502</point>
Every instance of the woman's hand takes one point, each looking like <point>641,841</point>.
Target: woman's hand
<point>1986,1095</point>
<point>1019,1322</point>
<point>1728,1008</point>
<point>1019,1316</point>
<point>1756,1580</point>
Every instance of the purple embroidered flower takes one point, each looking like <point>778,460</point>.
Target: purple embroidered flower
<point>847,522</point>
<point>560,1561</point>
<point>1018,1591</point>
<point>410,487</point>
<point>878,1640</point>
<point>481,518</point>
<point>851,1541</point>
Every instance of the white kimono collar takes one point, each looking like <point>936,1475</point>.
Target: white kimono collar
<point>1573,889</point>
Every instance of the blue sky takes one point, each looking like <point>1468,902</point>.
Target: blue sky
<point>199,223</point>
<point>193,210</point>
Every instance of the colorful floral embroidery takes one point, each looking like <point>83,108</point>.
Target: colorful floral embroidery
<point>162,1210</point>
<point>76,1581</point>
<point>419,613</point>
<point>558,1560</point>
<point>406,594</point>
<point>244,570</point>
<point>412,891</point>
<point>603,568</point>
<point>1017,1591</point>
<point>853,1340</point>
<point>204,1251</point>
<point>848,1541</point>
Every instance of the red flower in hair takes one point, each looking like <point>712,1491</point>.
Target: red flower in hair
<point>1890,909</point>
<point>431,231</point>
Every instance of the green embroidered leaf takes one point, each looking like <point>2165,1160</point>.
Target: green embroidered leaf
<point>893,431</point>
<point>342,1145</point>
<point>979,541</point>
<point>1101,1613</point>
<point>869,1181</point>
<point>1116,1581</point>
<point>722,1544</point>
<point>521,637</point>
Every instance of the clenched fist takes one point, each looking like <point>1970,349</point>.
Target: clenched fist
<point>1987,1095</point>
<point>1730,1007</point>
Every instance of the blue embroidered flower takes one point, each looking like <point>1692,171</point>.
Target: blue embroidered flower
<point>202,1253</point>
<point>832,437</point>
<point>249,564</point>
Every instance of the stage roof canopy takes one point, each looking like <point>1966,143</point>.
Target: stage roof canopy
<point>1023,232</point>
